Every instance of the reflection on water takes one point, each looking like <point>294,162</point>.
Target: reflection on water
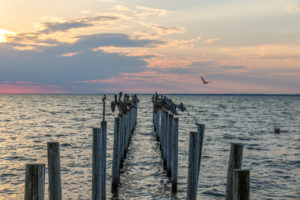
<point>28,122</point>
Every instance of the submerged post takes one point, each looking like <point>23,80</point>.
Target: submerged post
<point>98,179</point>
<point>241,184</point>
<point>235,162</point>
<point>195,152</point>
<point>34,182</point>
<point>54,174</point>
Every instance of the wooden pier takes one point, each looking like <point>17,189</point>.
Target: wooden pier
<point>166,128</point>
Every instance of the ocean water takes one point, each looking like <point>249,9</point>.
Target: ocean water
<point>28,122</point>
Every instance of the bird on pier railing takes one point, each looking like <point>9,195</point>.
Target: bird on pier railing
<point>135,99</point>
<point>126,105</point>
<point>114,103</point>
<point>167,104</point>
<point>103,98</point>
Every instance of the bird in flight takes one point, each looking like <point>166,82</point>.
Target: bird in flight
<point>204,81</point>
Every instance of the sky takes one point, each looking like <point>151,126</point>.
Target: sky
<point>142,46</point>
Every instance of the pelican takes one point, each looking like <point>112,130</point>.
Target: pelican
<point>276,129</point>
<point>204,81</point>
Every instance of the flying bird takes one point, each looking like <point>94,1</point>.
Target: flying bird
<point>204,81</point>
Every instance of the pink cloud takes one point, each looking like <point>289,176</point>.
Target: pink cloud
<point>150,81</point>
<point>30,89</point>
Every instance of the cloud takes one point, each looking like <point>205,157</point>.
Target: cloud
<point>54,31</point>
<point>65,63</point>
<point>209,41</point>
<point>165,30</point>
<point>113,39</point>
<point>148,11</point>
<point>122,8</point>
<point>65,25</point>
<point>232,67</point>
<point>269,52</point>
<point>292,8</point>
<point>31,89</point>
<point>127,51</point>
<point>85,12</point>
<point>181,43</point>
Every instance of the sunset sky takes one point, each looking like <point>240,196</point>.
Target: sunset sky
<point>101,46</point>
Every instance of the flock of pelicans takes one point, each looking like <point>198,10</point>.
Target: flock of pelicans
<point>125,105</point>
<point>160,102</point>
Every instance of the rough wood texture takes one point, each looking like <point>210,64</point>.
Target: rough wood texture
<point>235,162</point>
<point>123,128</point>
<point>191,189</point>
<point>98,183</point>
<point>54,174</point>
<point>115,163</point>
<point>174,159</point>
<point>195,153</point>
<point>103,163</point>
<point>34,182</point>
<point>169,145</point>
<point>241,184</point>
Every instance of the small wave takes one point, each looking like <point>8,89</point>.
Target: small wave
<point>79,119</point>
<point>66,145</point>
<point>7,175</point>
<point>214,193</point>
<point>20,158</point>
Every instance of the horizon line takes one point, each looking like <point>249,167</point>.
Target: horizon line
<point>111,93</point>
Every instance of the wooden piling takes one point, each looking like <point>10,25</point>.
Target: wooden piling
<point>98,179</point>
<point>235,162</point>
<point>195,152</point>
<point>34,182</point>
<point>123,128</point>
<point>169,145</point>
<point>116,154</point>
<point>174,159</point>
<point>54,174</point>
<point>104,144</point>
<point>241,184</point>
<point>166,134</point>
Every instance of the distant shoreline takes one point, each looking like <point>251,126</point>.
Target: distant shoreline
<point>173,94</point>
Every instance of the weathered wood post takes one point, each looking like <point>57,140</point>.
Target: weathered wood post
<point>235,162</point>
<point>169,145</point>
<point>121,140</point>
<point>195,152</point>
<point>54,174</point>
<point>158,125</point>
<point>241,184</point>
<point>174,159</point>
<point>103,113</point>
<point>34,182</point>
<point>165,149</point>
<point>116,155</point>
<point>162,130</point>
<point>104,144</point>
<point>98,182</point>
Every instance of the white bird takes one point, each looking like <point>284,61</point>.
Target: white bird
<point>204,81</point>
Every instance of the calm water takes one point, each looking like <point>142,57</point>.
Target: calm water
<point>28,122</point>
